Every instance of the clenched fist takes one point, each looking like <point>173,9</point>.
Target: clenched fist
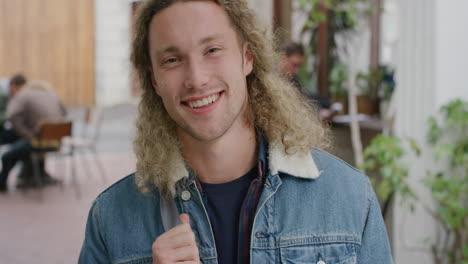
<point>176,245</point>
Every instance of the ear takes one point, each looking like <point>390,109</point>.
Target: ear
<point>153,82</point>
<point>248,59</point>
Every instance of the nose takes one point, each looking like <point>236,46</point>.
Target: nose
<point>197,74</point>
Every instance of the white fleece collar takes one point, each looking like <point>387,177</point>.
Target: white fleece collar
<point>300,165</point>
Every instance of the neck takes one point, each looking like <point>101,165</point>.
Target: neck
<point>224,159</point>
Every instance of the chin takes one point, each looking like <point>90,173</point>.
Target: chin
<point>205,136</point>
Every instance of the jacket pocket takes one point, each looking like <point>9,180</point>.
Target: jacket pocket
<point>328,253</point>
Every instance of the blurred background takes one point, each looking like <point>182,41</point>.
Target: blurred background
<point>389,78</point>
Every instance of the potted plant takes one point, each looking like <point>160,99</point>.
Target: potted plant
<point>449,187</point>
<point>340,18</point>
<point>383,158</point>
<point>337,86</point>
<point>368,84</point>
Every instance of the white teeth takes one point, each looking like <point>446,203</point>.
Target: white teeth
<point>202,102</point>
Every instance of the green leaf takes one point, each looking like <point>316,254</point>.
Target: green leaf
<point>434,131</point>
<point>414,146</point>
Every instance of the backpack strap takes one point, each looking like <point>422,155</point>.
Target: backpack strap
<point>169,213</point>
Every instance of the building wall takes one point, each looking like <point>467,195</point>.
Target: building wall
<point>431,60</point>
<point>389,32</point>
<point>452,50</point>
<point>50,40</point>
<point>113,40</point>
<point>264,11</point>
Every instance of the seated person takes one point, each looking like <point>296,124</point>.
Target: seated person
<point>7,133</point>
<point>27,107</point>
<point>290,62</point>
<point>14,84</point>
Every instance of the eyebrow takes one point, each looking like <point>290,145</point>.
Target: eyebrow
<point>211,38</point>
<point>201,42</point>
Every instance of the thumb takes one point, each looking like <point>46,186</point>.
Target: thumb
<point>185,218</point>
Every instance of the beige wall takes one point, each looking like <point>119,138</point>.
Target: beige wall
<point>52,40</point>
<point>113,40</point>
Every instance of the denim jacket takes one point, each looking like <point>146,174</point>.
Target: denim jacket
<point>313,209</point>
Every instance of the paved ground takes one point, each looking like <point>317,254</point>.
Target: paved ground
<point>47,226</point>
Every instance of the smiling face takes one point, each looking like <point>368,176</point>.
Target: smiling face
<point>199,69</point>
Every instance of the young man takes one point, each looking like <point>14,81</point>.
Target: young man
<point>230,146</point>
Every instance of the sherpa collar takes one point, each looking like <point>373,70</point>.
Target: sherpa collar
<point>300,165</point>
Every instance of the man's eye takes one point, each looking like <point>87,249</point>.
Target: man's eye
<point>170,60</point>
<point>213,50</point>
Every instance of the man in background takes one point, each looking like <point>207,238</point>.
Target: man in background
<point>9,88</point>
<point>290,62</point>
<point>28,106</point>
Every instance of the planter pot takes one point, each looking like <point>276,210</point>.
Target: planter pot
<point>344,102</point>
<point>367,105</point>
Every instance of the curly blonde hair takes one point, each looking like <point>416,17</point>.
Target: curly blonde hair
<point>277,109</point>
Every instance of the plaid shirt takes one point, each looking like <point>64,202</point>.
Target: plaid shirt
<point>249,206</point>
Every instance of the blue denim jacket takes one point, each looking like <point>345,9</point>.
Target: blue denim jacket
<point>313,208</point>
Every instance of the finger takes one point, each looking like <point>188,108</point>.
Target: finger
<point>187,253</point>
<point>185,218</point>
<point>184,227</point>
<point>177,241</point>
<point>177,230</point>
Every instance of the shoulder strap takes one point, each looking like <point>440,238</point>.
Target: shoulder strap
<point>169,213</point>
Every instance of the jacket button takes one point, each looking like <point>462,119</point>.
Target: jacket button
<point>321,262</point>
<point>185,195</point>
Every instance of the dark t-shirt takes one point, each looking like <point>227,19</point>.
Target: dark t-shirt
<point>224,202</point>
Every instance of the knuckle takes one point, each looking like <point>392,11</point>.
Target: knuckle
<point>157,244</point>
<point>186,228</point>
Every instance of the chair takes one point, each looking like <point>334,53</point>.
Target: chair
<point>48,140</point>
<point>86,141</point>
